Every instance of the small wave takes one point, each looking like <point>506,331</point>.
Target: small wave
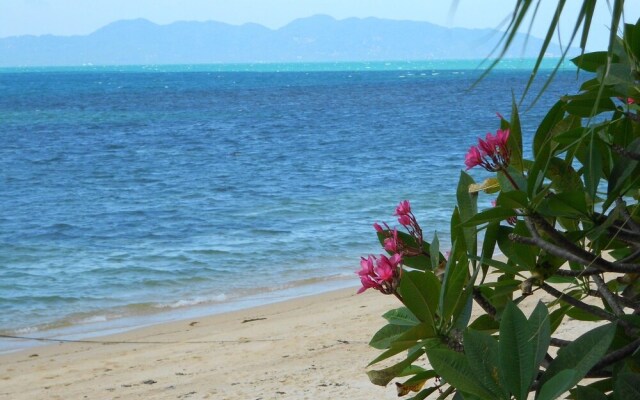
<point>27,330</point>
<point>94,319</point>
<point>195,301</point>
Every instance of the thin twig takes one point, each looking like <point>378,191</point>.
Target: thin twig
<point>560,342</point>
<point>570,246</point>
<point>616,356</point>
<point>599,263</point>
<point>624,152</point>
<point>622,206</point>
<point>607,295</point>
<point>631,257</point>
<point>577,303</point>
<point>577,274</point>
<point>484,303</point>
<point>622,300</point>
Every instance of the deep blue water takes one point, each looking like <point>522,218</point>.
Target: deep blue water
<point>125,192</point>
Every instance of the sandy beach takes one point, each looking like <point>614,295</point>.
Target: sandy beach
<point>314,347</point>
<point>308,348</point>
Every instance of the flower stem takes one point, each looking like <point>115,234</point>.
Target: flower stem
<point>508,175</point>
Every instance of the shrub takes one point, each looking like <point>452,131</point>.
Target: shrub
<point>568,226</point>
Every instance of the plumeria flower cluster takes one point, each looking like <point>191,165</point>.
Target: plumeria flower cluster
<point>492,154</point>
<point>392,242</point>
<point>382,274</point>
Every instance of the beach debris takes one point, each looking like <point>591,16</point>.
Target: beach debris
<point>194,323</point>
<point>149,382</point>
<point>252,320</point>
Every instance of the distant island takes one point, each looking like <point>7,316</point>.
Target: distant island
<point>318,38</point>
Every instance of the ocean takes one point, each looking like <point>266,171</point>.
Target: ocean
<point>131,195</point>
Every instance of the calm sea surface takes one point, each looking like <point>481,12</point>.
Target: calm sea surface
<point>127,192</point>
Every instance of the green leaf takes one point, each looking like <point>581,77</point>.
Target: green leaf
<point>582,354</point>
<point>523,255</point>
<point>517,352</point>
<point>455,369</point>
<point>424,393</point>
<point>515,138</point>
<point>494,214</point>
<point>401,316</point>
<point>507,185</point>
<point>591,61</point>
<point>581,315</point>
<point>502,266</point>
<point>626,386</point>
<point>419,335</point>
<point>421,291</point>
<point>584,107</point>
<point>557,316</point>
<point>387,335</point>
<point>623,168</point>
<point>564,177</point>
<point>557,385</point>
<point>588,393</point>
<point>504,286</point>
<point>489,245</point>
<point>485,323</point>
<point>546,127</point>
<point>540,328</point>
<point>482,352</point>
<point>462,312</point>
<point>455,275</point>
<point>468,207</point>
<point>514,199</point>
<point>382,377</point>
<point>421,376</point>
<point>566,204</point>
<point>421,262</point>
<point>435,250</point>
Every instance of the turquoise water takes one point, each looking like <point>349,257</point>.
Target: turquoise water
<point>526,64</point>
<point>140,190</point>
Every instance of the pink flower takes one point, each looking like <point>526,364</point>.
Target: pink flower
<point>391,243</point>
<point>366,266</point>
<point>630,100</point>
<point>377,227</point>
<point>499,115</point>
<point>403,208</point>
<point>383,276</point>
<point>404,220</point>
<point>384,270</point>
<point>473,157</point>
<point>492,153</point>
<point>367,283</point>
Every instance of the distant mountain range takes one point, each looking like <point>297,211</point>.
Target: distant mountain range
<point>318,38</point>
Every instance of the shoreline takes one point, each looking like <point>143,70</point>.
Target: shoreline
<point>95,326</point>
<point>308,347</point>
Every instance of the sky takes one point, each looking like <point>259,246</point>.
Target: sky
<point>81,17</point>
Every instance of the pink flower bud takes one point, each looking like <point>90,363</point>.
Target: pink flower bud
<point>403,208</point>
<point>377,227</point>
<point>404,220</point>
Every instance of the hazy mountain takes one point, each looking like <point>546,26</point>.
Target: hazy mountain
<point>317,38</point>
